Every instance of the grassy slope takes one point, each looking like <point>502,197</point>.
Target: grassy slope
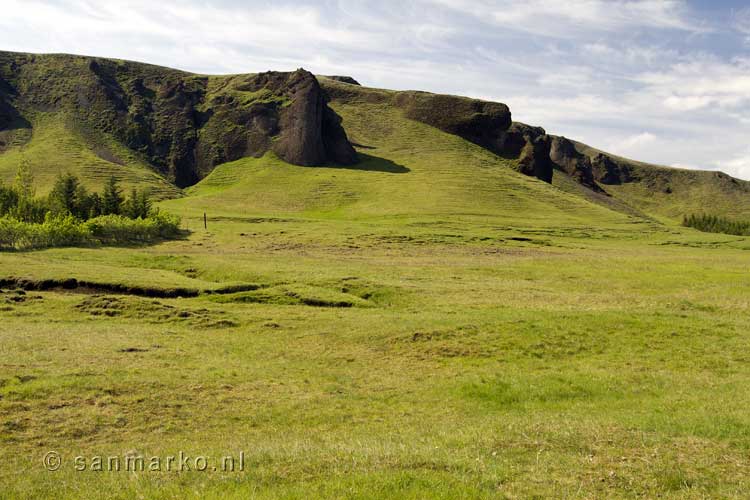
<point>670,193</point>
<point>419,170</point>
<point>60,140</point>
<point>62,143</point>
<point>56,147</point>
<point>505,339</point>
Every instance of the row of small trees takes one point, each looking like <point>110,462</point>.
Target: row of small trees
<point>69,197</point>
<point>73,216</point>
<point>716,224</point>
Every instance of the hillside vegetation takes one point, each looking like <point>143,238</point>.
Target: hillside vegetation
<point>628,186</point>
<point>165,129</point>
<point>671,193</point>
<point>116,113</point>
<point>434,320</point>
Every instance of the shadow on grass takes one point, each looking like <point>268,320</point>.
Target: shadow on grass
<point>371,163</point>
<point>15,120</point>
<point>99,242</point>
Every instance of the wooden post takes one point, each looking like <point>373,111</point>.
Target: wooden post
<point>205,221</point>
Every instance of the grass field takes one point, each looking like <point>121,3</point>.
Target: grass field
<point>428,324</point>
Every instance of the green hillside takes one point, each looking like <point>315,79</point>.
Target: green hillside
<point>407,169</point>
<point>99,117</point>
<point>652,191</point>
<point>166,129</point>
<point>670,193</point>
<point>58,146</point>
<point>427,322</point>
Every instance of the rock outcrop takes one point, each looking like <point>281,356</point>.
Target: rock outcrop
<point>487,124</point>
<point>343,79</point>
<point>309,132</point>
<point>8,113</point>
<point>566,157</point>
<point>183,124</point>
<point>608,170</point>
<point>533,157</point>
<point>481,122</point>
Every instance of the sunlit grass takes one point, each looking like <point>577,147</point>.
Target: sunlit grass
<point>429,324</point>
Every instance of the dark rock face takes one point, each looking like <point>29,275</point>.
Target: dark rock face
<point>8,113</point>
<point>608,170</point>
<point>566,157</point>
<point>311,131</point>
<point>335,142</point>
<point>14,128</point>
<point>183,124</point>
<point>487,124</point>
<point>343,79</point>
<point>481,122</point>
<point>535,149</point>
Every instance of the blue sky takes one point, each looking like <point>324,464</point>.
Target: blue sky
<point>662,81</point>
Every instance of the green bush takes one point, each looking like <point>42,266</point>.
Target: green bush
<point>11,232</point>
<point>70,216</point>
<point>55,231</point>
<point>119,229</point>
<point>66,230</point>
<point>716,224</point>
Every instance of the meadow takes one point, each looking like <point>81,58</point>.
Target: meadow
<point>426,324</point>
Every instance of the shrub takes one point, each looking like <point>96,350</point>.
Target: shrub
<point>60,219</point>
<point>55,231</point>
<point>716,224</point>
<point>11,232</point>
<point>61,231</point>
<point>119,229</point>
<point>8,199</point>
<point>32,210</point>
<point>66,230</point>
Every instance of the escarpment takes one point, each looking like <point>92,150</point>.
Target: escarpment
<point>594,170</point>
<point>566,157</point>
<point>485,123</point>
<point>344,79</point>
<point>103,117</point>
<point>180,123</point>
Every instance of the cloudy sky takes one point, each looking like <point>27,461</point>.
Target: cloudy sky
<point>665,81</point>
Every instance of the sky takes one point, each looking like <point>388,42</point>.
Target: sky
<point>662,81</point>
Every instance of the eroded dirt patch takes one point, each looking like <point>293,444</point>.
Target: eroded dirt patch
<point>91,287</point>
<point>10,298</point>
<point>153,311</point>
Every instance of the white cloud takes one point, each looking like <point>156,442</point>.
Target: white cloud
<point>703,76</point>
<point>632,144</point>
<point>739,165</point>
<point>578,18</point>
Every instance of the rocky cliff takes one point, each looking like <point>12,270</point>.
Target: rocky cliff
<point>180,123</point>
<point>487,124</point>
